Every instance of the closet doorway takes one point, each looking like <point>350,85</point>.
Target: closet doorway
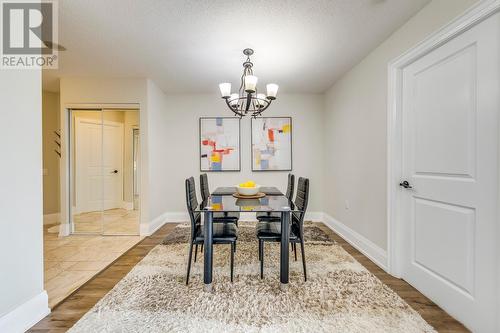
<point>104,176</point>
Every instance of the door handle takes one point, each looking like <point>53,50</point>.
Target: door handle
<point>114,171</point>
<point>405,184</point>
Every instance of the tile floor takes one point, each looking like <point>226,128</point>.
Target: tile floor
<point>71,261</point>
<point>111,221</point>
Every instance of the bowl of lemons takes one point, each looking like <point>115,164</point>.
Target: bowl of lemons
<point>248,188</point>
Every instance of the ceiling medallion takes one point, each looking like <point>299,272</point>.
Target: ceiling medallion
<point>248,100</point>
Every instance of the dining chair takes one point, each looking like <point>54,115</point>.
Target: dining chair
<point>219,217</point>
<point>275,216</point>
<point>223,233</point>
<point>271,231</point>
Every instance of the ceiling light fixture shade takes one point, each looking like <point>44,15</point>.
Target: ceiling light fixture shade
<point>272,90</point>
<point>247,100</point>
<point>225,89</point>
<point>250,83</point>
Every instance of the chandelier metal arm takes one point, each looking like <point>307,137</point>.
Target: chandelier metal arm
<point>235,110</point>
<point>257,113</point>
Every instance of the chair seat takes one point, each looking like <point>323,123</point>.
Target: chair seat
<point>222,233</point>
<point>269,216</point>
<point>226,217</point>
<point>272,231</point>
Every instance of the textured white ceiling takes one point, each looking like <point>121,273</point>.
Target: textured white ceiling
<point>189,46</point>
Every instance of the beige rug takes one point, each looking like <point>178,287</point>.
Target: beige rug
<point>339,296</point>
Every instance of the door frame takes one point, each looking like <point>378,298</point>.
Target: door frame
<point>136,181</point>
<point>473,16</point>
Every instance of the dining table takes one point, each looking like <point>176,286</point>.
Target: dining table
<point>222,200</point>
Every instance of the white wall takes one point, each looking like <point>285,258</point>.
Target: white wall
<point>355,127</point>
<point>160,179</point>
<point>22,299</point>
<point>50,123</point>
<point>179,147</point>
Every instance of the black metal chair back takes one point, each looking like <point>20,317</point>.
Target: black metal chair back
<point>302,199</point>
<point>192,204</point>
<point>205,191</point>
<point>290,187</point>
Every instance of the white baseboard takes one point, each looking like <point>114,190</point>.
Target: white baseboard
<point>51,218</point>
<point>147,229</point>
<point>26,315</point>
<point>128,205</point>
<point>64,229</point>
<point>248,217</point>
<point>314,216</point>
<point>361,243</point>
<point>177,217</point>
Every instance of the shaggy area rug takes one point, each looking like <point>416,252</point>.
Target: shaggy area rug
<point>339,296</point>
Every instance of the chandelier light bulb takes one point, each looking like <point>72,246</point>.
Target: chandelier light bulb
<point>261,99</point>
<point>234,99</point>
<point>272,90</point>
<point>225,89</point>
<point>250,83</point>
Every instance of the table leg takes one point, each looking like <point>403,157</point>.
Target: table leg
<point>208,253</point>
<point>285,239</point>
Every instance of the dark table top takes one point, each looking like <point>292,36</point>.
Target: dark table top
<point>271,190</point>
<point>228,203</point>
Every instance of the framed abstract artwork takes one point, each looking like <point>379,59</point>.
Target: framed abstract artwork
<point>219,144</point>
<point>272,144</point>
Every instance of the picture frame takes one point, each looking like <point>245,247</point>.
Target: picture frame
<point>220,144</point>
<point>271,141</point>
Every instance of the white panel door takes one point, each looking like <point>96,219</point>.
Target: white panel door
<point>98,165</point>
<point>88,166</point>
<point>450,158</point>
<point>112,148</point>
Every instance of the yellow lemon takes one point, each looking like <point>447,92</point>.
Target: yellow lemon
<point>248,184</point>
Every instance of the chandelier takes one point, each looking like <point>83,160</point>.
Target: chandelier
<point>248,100</point>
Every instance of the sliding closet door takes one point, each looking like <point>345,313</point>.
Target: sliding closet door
<point>86,169</point>
<point>120,217</point>
<point>104,172</point>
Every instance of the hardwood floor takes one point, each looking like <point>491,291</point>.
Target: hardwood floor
<point>432,313</point>
<point>69,311</point>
